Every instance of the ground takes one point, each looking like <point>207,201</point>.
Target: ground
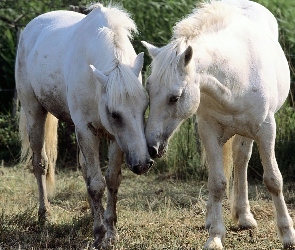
<point>154,212</point>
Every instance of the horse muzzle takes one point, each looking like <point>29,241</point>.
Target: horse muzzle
<point>141,167</point>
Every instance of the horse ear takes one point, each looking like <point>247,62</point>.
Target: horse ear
<point>138,64</point>
<point>185,58</point>
<point>101,77</point>
<point>153,50</point>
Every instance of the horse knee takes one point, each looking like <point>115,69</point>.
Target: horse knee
<point>95,188</point>
<point>40,165</point>
<point>273,183</point>
<point>113,180</point>
<point>217,187</point>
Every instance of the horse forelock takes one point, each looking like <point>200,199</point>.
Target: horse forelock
<point>123,84</point>
<point>165,65</point>
<point>209,16</point>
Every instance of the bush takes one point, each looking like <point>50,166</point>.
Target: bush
<point>9,140</point>
<point>155,20</point>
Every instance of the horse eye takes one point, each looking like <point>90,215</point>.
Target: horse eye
<point>115,116</point>
<point>174,99</point>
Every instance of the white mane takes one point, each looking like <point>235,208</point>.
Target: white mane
<point>116,36</point>
<point>207,17</point>
<point>165,64</point>
<point>119,21</point>
<point>123,84</point>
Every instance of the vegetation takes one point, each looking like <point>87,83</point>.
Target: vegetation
<point>154,20</point>
<point>154,212</point>
<point>9,140</point>
<point>157,210</point>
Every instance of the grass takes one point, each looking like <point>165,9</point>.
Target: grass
<point>154,212</point>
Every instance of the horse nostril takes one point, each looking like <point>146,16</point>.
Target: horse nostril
<point>150,163</point>
<point>153,152</point>
<point>136,169</point>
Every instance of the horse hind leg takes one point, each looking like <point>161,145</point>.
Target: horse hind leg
<point>36,119</point>
<point>272,179</point>
<point>240,208</point>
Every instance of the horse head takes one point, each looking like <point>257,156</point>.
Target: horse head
<point>122,104</point>
<point>174,94</point>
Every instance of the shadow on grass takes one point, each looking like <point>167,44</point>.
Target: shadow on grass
<point>23,231</point>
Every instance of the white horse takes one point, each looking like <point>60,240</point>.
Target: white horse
<point>83,70</point>
<point>225,64</point>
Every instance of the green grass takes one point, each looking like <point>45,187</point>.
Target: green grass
<point>154,212</point>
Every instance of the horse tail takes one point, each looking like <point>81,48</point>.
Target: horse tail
<point>227,152</point>
<point>50,141</point>
<point>227,162</point>
<point>50,147</point>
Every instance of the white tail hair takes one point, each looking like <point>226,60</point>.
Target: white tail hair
<point>49,147</point>
<point>227,152</point>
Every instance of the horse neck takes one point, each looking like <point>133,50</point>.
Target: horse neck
<point>106,46</point>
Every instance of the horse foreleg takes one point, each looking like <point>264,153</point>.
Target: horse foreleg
<point>272,179</point>
<point>89,146</point>
<point>113,179</point>
<point>216,186</point>
<point>240,208</point>
<point>82,164</point>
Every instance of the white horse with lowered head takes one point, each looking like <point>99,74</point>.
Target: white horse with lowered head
<point>83,70</point>
<point>225,64</point>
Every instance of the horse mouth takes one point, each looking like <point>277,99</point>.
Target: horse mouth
<point>141,167</point>
<point>158,152</point>
<point>161,152</point>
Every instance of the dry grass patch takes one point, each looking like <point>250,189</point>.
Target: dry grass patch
<point>153,213</point>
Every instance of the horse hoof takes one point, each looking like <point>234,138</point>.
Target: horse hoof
<point>289,240</point>
<point>44,217</point>
<point>102,246</point>
<point>247,222</point>
<point>213,243</point>
<point>112,237</point>
<point>107,243</point>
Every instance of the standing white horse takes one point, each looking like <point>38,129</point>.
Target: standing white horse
<point>225,64</point>
<point>83,70</point>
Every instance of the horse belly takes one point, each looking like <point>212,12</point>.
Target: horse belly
<point>53,99</point>
<point>243,118</point>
